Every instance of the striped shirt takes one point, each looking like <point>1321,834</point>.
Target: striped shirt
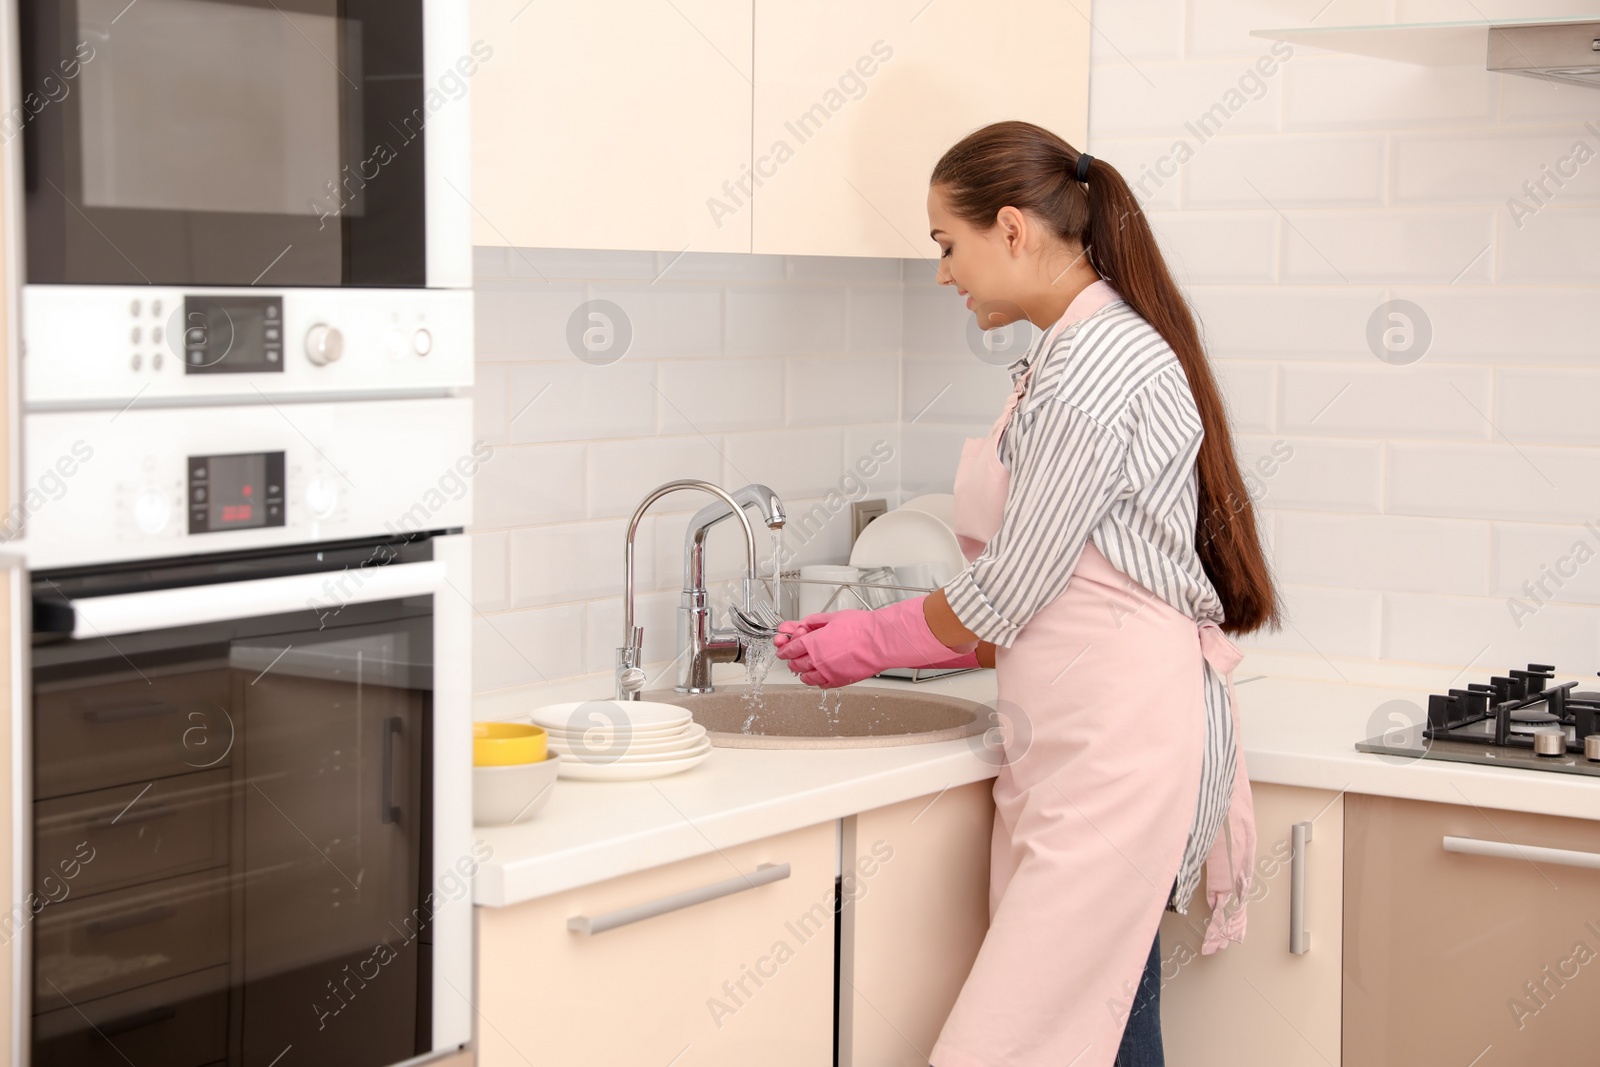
<point>1102,448</point>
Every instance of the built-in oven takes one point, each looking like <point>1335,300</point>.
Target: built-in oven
<point>246,761</point>
<point>266,195</point>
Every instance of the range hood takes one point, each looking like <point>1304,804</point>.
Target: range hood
<point>1561,52</point>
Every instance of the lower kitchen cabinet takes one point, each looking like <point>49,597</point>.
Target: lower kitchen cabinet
<point>1471,936</point>
<point>916,907</point>
<point>1256,1002</point>
<point>740,979</point>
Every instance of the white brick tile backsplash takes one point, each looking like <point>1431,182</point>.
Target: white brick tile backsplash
<point>518,648</point>
<point>1484,632</point>
<point>1276,171</point>
<point>1560,246</point>
<point>580,561</point>
<point>1323,622</point>
<point>802,462</point>
<point>953,389</point>
<point>1249,389</point>
<point>842,391</point>
<point>525,484</point>
<point>843,270</point>
<point>1519,325</point>
<point>491,403</point>
<point>786,320</point>
<point>1383,401</point>
<point>622,472</point>
<point>576,401</point>
<point>932,453</point>
<point>704,396</point>
<point>1328,92</point>
<point>1494,481</point>
<point>1150,166</point>
<point>1218,247</point>
<point>1472,10</point>
<point>517,321</point>
<point>1550,564</point>
<point>728,267</point>
<point>1137,30</point>
<point>555,264</point>
<point>1538,102</point>
<point>1388,246</point>
<point>1490,168</point>
<point>1384,553</point>
<point>1286,323</point>
<point>683,320</point>
<point>1222,27</point>
<point>1541,405</point>
<point>875,319</point>
<point>657,613</point>
<point>1323,475</point>
<point>491,581</point>
<point>934,321</point>
<point>1167,99</point>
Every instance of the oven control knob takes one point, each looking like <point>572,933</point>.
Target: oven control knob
<point>324,344</point>
<point>422,342</point>
<point>151,511</point>
<point>322,496</point>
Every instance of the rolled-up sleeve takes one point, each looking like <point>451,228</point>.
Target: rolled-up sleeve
<point>1067,473</point>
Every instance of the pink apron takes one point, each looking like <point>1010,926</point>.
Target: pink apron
<point>1104,700</point>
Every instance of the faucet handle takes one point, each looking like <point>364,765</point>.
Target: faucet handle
<point>630,676</point>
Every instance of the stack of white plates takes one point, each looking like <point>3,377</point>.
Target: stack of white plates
<point>615,740</point>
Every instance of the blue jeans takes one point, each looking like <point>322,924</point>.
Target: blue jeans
<point>1141,1039</point>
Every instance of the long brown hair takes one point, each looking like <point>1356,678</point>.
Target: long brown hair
<point>1031,169</point>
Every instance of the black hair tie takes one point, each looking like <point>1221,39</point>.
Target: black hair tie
<point>1082,173</point>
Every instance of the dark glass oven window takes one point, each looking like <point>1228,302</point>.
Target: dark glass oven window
<point>225,142</point>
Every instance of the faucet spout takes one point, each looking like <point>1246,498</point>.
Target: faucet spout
<point>754,496</point>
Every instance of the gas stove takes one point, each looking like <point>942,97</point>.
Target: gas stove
<point>1518,720</point>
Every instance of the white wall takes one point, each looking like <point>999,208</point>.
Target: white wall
<point>772,369</point>
<point>1419,498</point>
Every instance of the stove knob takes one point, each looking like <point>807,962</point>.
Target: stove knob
<point>151,511</point>
<point>322,496</point>
<point>1591,748</point>
<point>1550,742</point>
<point>324,344</point>
<point>422,342</point>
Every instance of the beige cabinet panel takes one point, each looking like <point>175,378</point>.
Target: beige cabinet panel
<point>741,979</point>
<point>1255,1002</point>
<point>1456,958</point>
<point>610,125</point>
<point>855,102</point>
<point>916,908</point>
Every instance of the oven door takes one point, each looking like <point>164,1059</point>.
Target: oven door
<point>239,142</point>
<point>238,837</point>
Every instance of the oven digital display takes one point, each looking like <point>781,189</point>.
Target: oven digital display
<point>237,492</point>
<point>232,335</point>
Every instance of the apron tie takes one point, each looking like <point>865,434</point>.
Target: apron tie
<point>1230,864</point>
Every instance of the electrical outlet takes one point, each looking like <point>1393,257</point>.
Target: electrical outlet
<point>863,512</point>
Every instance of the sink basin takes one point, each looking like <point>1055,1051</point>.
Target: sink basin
<point>793,716</point>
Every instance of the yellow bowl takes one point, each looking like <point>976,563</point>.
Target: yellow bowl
<point>500,744</point>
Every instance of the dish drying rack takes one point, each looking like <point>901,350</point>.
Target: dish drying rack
<point>876,588</point>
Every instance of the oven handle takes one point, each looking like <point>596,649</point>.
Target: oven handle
<point>325,592</point>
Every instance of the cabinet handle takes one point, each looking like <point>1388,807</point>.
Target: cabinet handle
<point>388,810</point>
<point>150,814</point>
<point>1299,936</point>
<point>122,713</point>
<point>156,914</point>
<point>128,1023</point>
<point>1505,850</point>
<point>764,873</point>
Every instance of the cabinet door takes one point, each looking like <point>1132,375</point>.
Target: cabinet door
<point>736,980</point>
<point>855,103</point>
<point>915,911</point>
<point>611,125</point>
<point>1460,958</point>
<point>1255,1001</point>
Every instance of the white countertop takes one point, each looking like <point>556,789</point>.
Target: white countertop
<point>1301,717</point>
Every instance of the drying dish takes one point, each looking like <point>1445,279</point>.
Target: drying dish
<point>627,770</point>
<point>632,746</point>
<point>907,536</point>
<point>512,793</point>
<point>637,717</point>
<point>620,740</point>
<point>941,506</point>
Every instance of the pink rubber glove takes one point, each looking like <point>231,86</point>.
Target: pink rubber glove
<point>837,648</point>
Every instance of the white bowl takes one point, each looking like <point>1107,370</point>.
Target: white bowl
<point>513,792</point>
<point>906,536</point>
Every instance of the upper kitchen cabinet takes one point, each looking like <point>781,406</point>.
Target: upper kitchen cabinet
<point>611,125</point>
<point>855,103</point>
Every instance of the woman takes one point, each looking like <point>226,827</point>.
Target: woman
<point>1111,540</point>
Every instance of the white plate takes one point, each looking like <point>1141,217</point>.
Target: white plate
<point>598,759</point>
<point>903,537</point>
<point>690,738</point>
<point>622,772</point>
<point>643,716</point>
<point>941,506</point>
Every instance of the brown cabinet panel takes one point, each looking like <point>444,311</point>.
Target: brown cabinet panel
<point>129,731</point>
<point>134,833</point>
<point>178,1023</point>
<point>105,944</point>
<point>1460,959</point>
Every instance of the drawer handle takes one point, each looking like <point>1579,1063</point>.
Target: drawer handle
<point>121,714</point>
<point>101,927</point>
<point>135,1022</point>
<point>766,872</point>
<point>1505,850</point>
<point>1299,936</point>
<point>131,818</point>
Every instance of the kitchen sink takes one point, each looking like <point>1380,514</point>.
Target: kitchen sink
<point>794,716</point>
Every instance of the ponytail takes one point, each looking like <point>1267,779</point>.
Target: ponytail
<point>1031,169</point>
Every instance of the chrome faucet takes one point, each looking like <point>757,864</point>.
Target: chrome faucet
<point>700,642</point>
